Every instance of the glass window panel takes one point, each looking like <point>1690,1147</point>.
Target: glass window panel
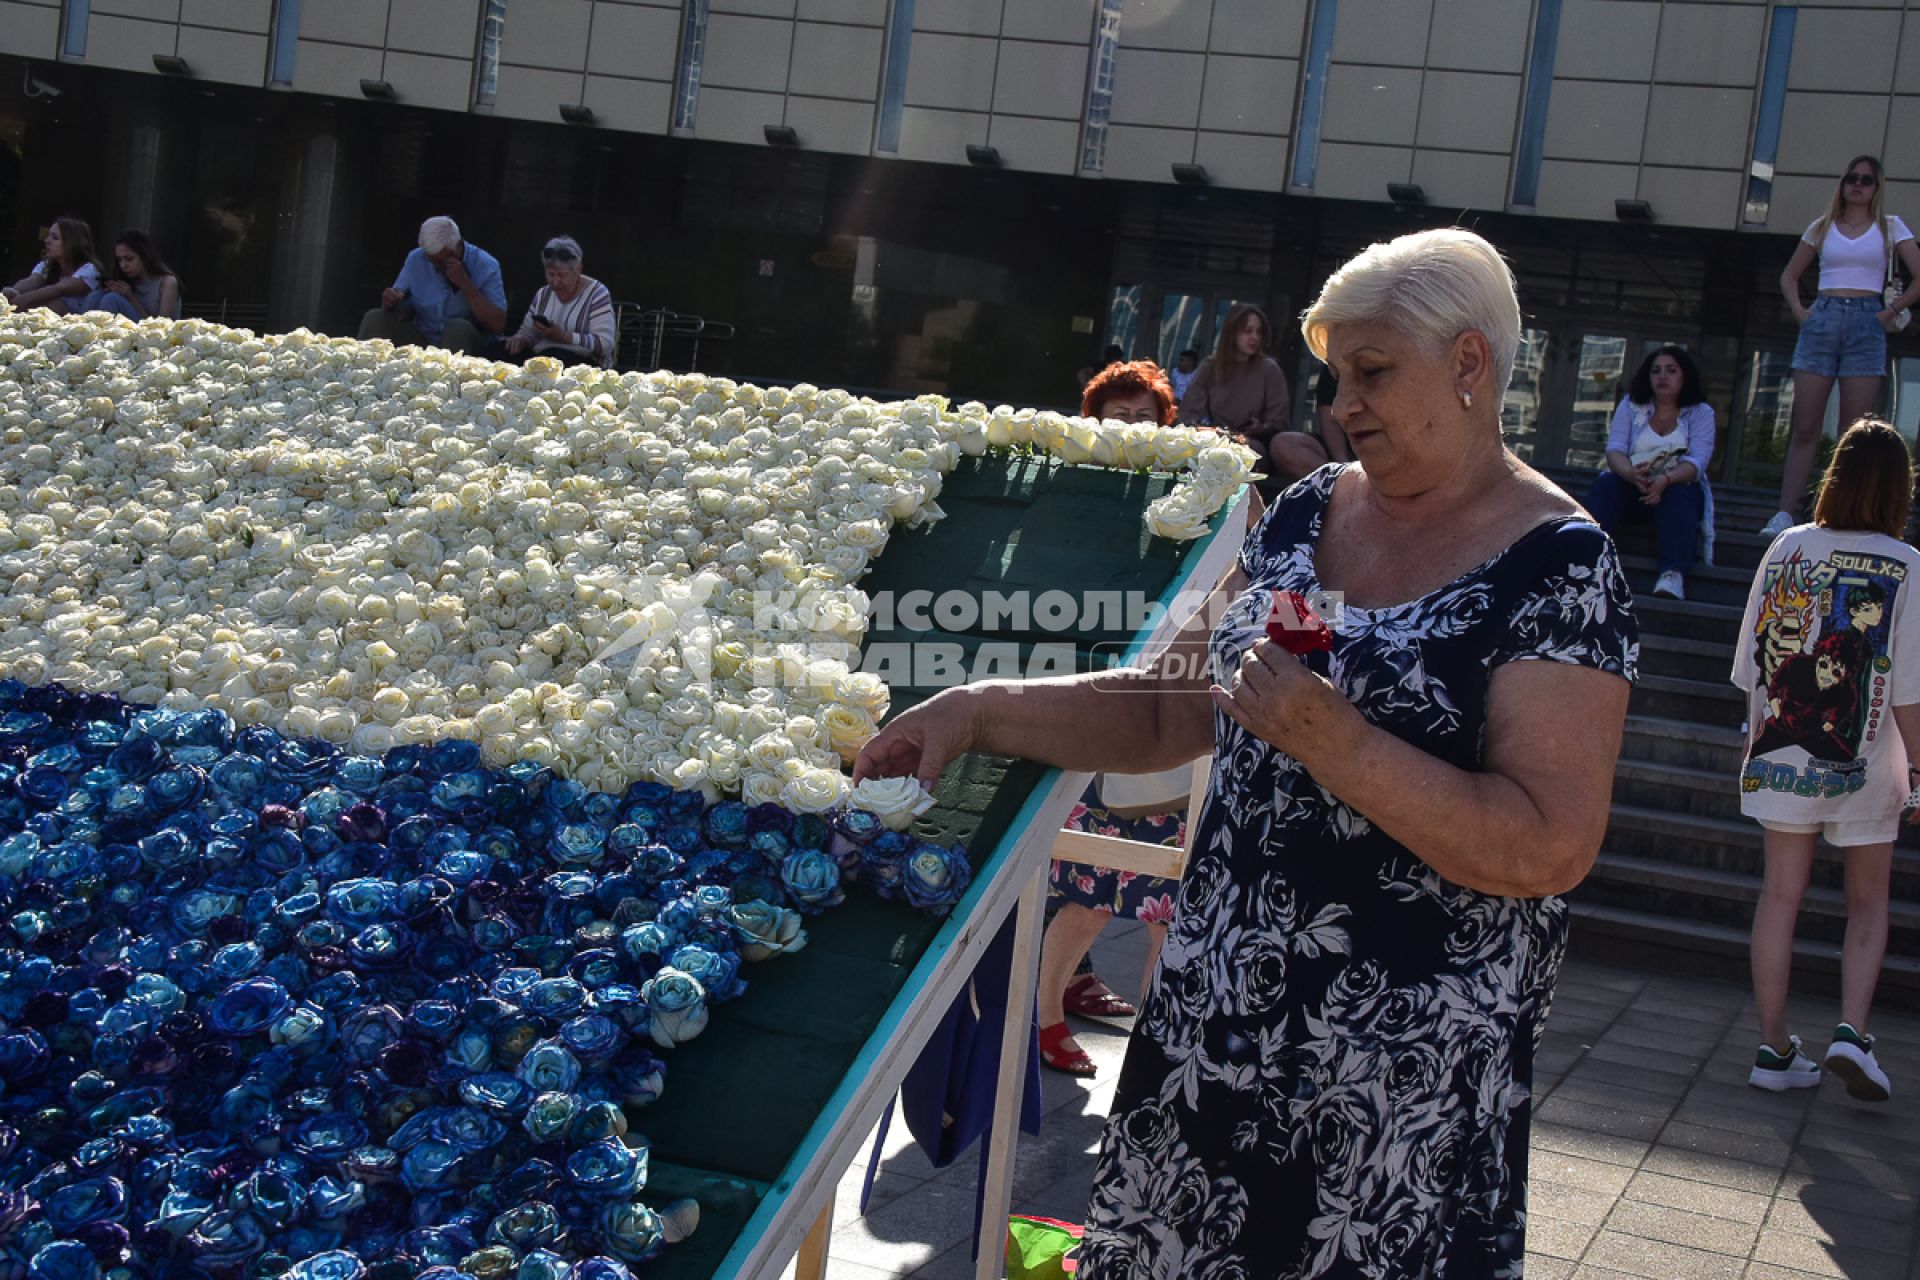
<point>1598,385</point>
<point>1181,316</point>
<point>1123,316</point>
<point>74,43</point>
<point>1520,410</point>
<point>493,26</point>
<point>1106,47</point>
<point>1766,413</point>
<point>1906,396</point>
<point>286,40</point>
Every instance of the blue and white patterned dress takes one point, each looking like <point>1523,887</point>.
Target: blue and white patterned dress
<point>1331,1076</point>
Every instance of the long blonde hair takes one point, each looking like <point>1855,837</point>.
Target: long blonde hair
<point>1838,205</point>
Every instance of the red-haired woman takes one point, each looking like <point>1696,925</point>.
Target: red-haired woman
<point>1081,898</point>
<point>1827,659</point>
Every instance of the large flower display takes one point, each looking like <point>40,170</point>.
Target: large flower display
<point>400,757</point>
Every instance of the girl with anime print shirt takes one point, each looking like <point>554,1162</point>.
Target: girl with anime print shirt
<point>1832,724</point>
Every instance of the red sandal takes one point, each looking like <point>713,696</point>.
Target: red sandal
<point>1089,997</point>
<point>1056,1054</point>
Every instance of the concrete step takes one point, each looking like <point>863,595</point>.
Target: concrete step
<point>1684,657</point>
<point>1665,740</point>
<point>1718,623</point>
<point>1697,948</point>
<point>1699,701</point>
<point>1678,789</point>
<point>1708,584</point>
<point>1734,546</point>
<point>1733,845</point>
<point>1727,898</point>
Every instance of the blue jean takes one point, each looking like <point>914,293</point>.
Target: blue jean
<point>1842,339</point>
<point>1676,517</point>
<point>109,301</point>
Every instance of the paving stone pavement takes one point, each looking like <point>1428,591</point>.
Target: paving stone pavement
<point>1651,1156</point>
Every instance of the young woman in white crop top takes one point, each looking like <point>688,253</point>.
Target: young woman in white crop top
<point>1843,335</point>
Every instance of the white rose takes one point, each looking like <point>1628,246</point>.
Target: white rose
<point>895,801</point>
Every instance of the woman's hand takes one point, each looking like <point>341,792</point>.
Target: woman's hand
<point>120,287</point>
<point>1888,318</point>
<point>922,741</point>
<point>551,332</point>
<point>516,344</point>
<point>1276,699</point>
<point>1650,495</point>
<point>1800,315</point>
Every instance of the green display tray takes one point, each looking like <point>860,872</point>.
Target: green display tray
<point>748,1102</point>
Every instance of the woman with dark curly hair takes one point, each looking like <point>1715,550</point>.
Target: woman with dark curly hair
<point>1657,456</point>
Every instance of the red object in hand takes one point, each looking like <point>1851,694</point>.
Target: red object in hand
<point>1294,626</point>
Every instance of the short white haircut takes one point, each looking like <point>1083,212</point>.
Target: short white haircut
<point>438,234</point>
<point>1432,286</point>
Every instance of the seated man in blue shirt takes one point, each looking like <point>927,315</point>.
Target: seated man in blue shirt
<point>448,294</point>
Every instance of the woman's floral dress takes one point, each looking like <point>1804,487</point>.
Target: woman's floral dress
<point>1331,1075</point>
<point>1148,899</point>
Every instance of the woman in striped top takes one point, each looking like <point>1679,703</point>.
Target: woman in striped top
<point>572,314</point>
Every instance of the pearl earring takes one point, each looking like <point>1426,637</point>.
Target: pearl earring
<point>1466,399</point>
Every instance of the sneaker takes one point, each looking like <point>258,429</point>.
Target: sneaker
<point>1850,1057</point>
<point>1775,1071</point>
<point>1780,523</point>
<point>1671,585</point>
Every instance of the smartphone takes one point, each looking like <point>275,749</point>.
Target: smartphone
<point>540,319</point>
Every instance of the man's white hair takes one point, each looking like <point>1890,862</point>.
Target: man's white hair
<point>438,234</point>
<point>1432,286</point>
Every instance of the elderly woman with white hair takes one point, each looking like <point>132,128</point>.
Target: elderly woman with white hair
<point>448,294</point>
<point>572,315</point>
<point>1332,1071</point>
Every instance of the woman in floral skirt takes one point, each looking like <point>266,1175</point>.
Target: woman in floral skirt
<point>1332,1072</point>
<point>1082,899</point>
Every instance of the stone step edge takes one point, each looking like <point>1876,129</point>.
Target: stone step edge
<point>1706,882</point>
<point>1693,646</point>
<point>1699,935</point>
<point>1717,690</point>
<point>1693,609</point>
<point>1652,726</point>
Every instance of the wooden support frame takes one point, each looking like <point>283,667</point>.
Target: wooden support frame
<point>796,1220</point>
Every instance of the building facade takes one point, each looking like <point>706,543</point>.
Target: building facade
<point>972,196</point>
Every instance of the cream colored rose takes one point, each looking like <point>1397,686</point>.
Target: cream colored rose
<point>895,801</point>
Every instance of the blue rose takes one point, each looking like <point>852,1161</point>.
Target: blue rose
<point>554,997</point>
<point>762,930</point>
<point>23,1055</point>
<point>332,1199</point>
<point>90,1200</point>
<point>335,1264</point>
<point>527,1227</point>
<point>883,864</point>
<point>549,1116</point>
<point>677,1004</point>
<point>934,878</point>
<point>227,1240</point>
<point>360,902</point>
<point>430,1165</point>
<point>496,1091</point>
<point>594,1038</point>
<point>549,1067</point>
<point>631,1232</point>
<point>247,1007</point>
<point>63,1260</point>
<point>718,972</point>
<point>327,1137</point>
<point>543,1264</point>
<point>813,880</point>
<point>607,1170</point>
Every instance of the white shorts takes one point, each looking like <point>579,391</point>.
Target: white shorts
<point>1842,834</point>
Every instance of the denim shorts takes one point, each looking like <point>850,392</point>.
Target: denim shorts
<point>1842,339</point>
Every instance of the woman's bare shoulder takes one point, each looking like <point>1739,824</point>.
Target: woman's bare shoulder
<point>1535,496</point>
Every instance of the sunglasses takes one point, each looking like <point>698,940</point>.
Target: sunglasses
<point>559,255</point>
<point>1860,180</point>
